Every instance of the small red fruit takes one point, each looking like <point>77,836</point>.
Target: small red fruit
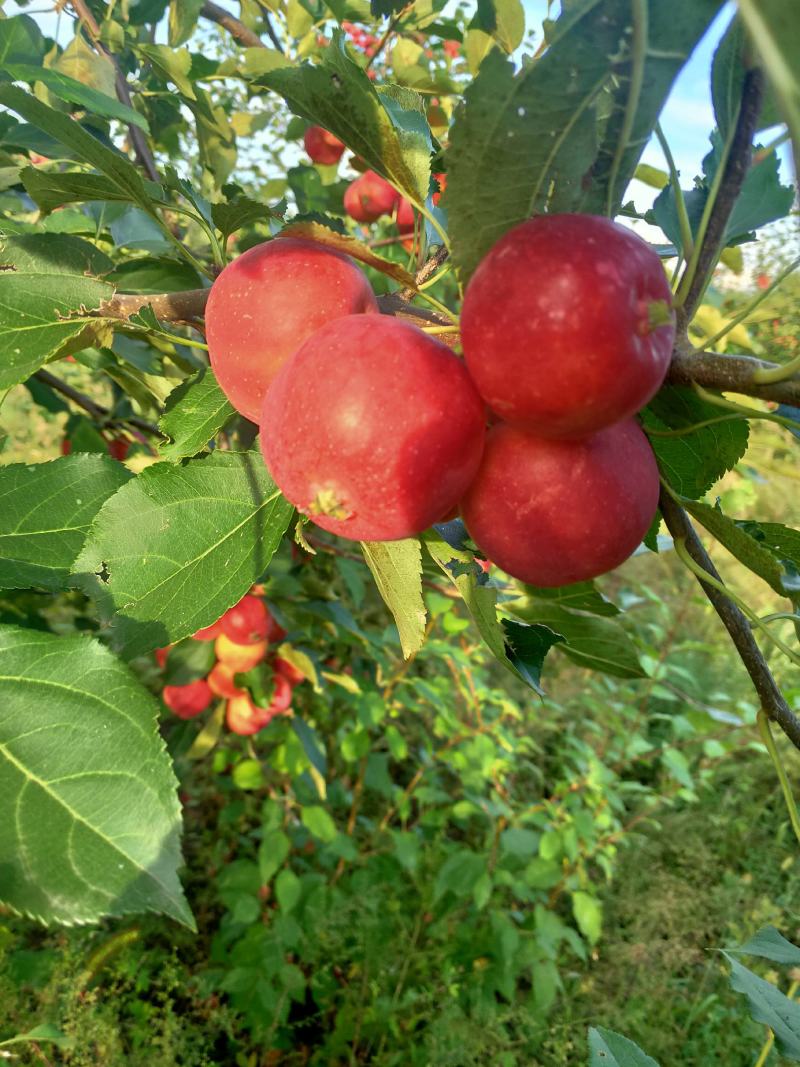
<point>373,428</point>
<point>209,633</point>
<point>556,512</point>
<point>241,716</point>
<point>161,656</point>
<point>267,302</point>
<point>246,622</point>
<point>369,197</point>
<point>322,146</point>
<point>221,683</point>
<point>292,674</point>
<point>186,701</point>
<point>66,447</point>
<point>118,447</point>
<point>405,217</point>
<point>452,49</point>
<point>441,181</point>
<point>566,325</point>
<point>239,657</point>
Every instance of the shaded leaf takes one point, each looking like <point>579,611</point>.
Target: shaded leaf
<point>768,944</point>
<point>46,510</point>
<point>396,567</point>
<point>195,412</point>
<point>56,253</point>
<point>89,817</point>
<point>239,212</point>
<point>526,648</point>
<point>203,533</point>
<point>607,1049</point>
<point>74,92</point>
<point>768,1005</point>
<point>50,190</point>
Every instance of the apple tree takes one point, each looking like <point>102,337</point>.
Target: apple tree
<point>235,250</point>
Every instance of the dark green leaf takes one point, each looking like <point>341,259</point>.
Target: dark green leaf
<point>177,546</point>
<point>153,275</point>
<point>50,190</point>
<point>39,253</point>
<point>46,510</point>
<point>526,648</point>
<point>396,567</point>
<point>768,944</point>
<point>607,1049</point>
<point>504,20</point>
<point>195,413</point>
<point>768,1005</point>
<point>73,92</point>
<point>89,819</point>
<point>581,596</point>
<point>21,40</point>
<point>239,212</point>
<point>693,462</point>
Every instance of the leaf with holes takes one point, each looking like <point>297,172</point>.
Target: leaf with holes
<point>46,510</point>
<point>89,816</point>
<point>179,545</point>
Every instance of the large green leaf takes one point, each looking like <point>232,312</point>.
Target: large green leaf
<point>177,546</point>
<point>40,314</point>
<point>119,170</point>
<point>607,1049</point>
<point>769,944</point>
<point>692,462</point>
<point>50,190</point>
<point>195,413</point>
<point>73,92</point>
<point>590,641</point>
<point>567,131</point>
<point>89,817</point>
<point>21,40</point>
<point>520,650</point>
<point>396,567</point>
<point>768,1005</point>
<point>392,139</point>
<point>52,253</point>
<point>774,28</point>
<point>46,510</point>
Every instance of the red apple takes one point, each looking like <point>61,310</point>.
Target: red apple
<point>373,428</point>
<point>221,683</point>
<point>186,701</point>
<point>555,512</point>
<point>239,657</point>
<point>322,146</point>
<point>369,197</point>
<point>292,674</point>
<point>405,216</point>
<point>267,302</point>
<point>246,622</point>
<point>566,325</point>
<point>209,633</point>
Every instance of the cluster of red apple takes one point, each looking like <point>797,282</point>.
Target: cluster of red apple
<point>241,637</point>
<point>361,38</point>
<point>376,430</point>
<point>369,196</point>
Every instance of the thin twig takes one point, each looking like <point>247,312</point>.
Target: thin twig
<point>772,700</point>
<point>99,412</point>
<point>427,270</point>
<point>138,140</point>
<point>736,168</point>
<point>237,29</point>
<point>384,40</point>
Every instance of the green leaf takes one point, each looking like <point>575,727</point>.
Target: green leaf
<point>183,16</point>
<point>784,543</point>
<point>149,274</point>
<point>172,64</point>
<point>248,774</point>
<point>179,545</point>
<point>40,314</point>
<point>596,643</point>
<point>727,77</point>
<point>481,602</point>
<point>581,596</point>
<point>768,944</point>
<point>396,567</point>
<point>195,413</point>
<point>526,648</point>
<point>318,822</point>
<point>90,68</point>
<point>693,462</point>
<point>43,1032</point>
<point>459,874</point>
<point>503,20</point>
<point>239,212</point>
<point>272,853</point>
<point>338,95</point>
<point>52,253</point>
<point>747,548</point>
<point>768,1005</point>
<point>46,510</point>
<point>774,29</point>
<point>288,890</point>
<point>21,40</point>
<point>89,817</point>
<point>50,190</point>
<point>552,130</point>
<point>588,912</point>
<point>115,166</point>
<point>74,92</point>
<point>607,1049</point>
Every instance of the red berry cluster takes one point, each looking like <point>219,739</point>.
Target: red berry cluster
<point>361,38</point>
<point>377,430</point>
<point>241,637</point>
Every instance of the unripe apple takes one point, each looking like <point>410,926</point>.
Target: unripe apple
<point>555,512</point>
<point>239,657</point>
<point>267,302</point>
<point>247,622</point>
<point>186,701</point>
<point>567,325</point>
<point>373,428</point>
<point>221,683</point>
<point>369,196</point>
<point>322,146</point>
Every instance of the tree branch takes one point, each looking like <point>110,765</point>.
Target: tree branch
<point>184,306</point>
<point>730,373</point>
<point>138,140</point>
<point>97,411</point>
<point>427,270</point>
<point>772,700</point>
<point>736,168</point>
<point>237,29</point>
